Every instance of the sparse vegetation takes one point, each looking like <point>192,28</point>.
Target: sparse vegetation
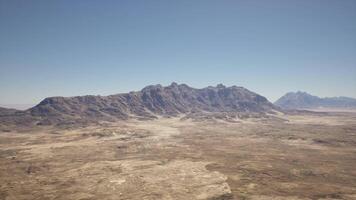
<point>297,157</point>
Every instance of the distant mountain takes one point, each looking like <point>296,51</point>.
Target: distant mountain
<point>150,102</point>
<point>303,100</point>
<point>7,111</point>
<point>17,106</point>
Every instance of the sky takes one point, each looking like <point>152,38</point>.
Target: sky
<point>70,48</point>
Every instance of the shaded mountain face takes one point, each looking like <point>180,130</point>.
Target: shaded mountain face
<point>150,102</point>
<point>303,100</point>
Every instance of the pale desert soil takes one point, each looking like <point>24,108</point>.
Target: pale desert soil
<point>299,157</point>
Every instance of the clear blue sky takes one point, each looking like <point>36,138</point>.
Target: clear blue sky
<point>68,48</point>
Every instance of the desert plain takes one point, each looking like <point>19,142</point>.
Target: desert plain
<point>303,156</point>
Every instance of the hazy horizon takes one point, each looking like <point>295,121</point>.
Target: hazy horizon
<point>67,48</point>
<point>27,106</point>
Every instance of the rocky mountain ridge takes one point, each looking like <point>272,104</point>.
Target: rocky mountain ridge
<point>151,102</point>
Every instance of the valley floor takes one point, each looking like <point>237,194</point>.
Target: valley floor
<point>299,157</point>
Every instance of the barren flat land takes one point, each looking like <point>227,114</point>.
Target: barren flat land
<point>304,156</point>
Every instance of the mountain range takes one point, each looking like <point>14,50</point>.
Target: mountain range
<point>303,100</point>
<point>151,102</point>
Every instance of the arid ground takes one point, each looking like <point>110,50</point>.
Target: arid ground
<point>305,156</point>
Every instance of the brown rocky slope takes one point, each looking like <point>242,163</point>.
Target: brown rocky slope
<point>150,102</point>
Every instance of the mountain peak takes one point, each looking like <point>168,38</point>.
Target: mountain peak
<point>151,87</point>
<point>220,85</point>
<point>304,100</point>
<point>174,84</point>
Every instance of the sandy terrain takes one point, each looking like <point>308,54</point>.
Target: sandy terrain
<point>297,157</point>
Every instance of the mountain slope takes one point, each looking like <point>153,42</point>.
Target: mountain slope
<point>7,111</point>
<point>303,100</point>
<point>150,102</point>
